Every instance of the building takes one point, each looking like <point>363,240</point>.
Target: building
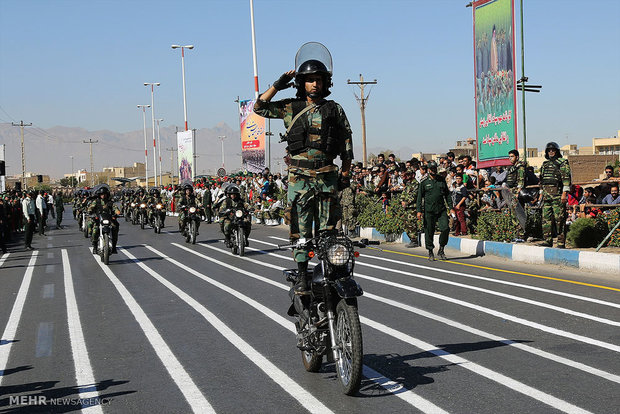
<point>606,146</point>
<point>465,147</point>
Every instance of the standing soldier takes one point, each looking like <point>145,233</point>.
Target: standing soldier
<point>349,208</point>
<point>317,132</point>
<point>515,181</point>
<point>555,182</point>
<point>433,196</point>
<point>206,203</point>
<point>60,208</point>
<point>408,200</point>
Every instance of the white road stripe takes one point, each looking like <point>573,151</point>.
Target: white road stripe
<point>489,311</point>
<point>486,279</point>
<point>8,336</point>
<point>278,376</point>
<point>462,362</point>
<point>573,364</point>
<point>186,385</point>
<point>3,258</point>
<point>84,376</point>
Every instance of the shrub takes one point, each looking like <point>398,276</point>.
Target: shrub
<point>586,232</point>
<point>611,219</point>
<point>496,226</point>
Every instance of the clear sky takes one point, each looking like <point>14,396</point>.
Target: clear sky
<point>83,63</point>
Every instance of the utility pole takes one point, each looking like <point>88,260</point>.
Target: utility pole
<point>362,101</point>
<point>222,138</point>
<point>92,173</point>
<point>22,125</point>
<point>172,151</point>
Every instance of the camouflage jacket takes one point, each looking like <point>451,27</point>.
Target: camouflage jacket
<point>284,109</point>
<point>97,207</point>
<point>563,176</point>
<point>410,194</point>
<point>347,197</point>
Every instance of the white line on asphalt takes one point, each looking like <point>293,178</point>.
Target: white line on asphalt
<point>401,392</point>
<point>486,279</point>
<point>186,385</point>
<point>84,376</point>
<point>574,364</point>
<point>50,268</point>
<point>3,258</point>
<point>48,291</point>
<point>50,255</point>
<point>8,337</point>
<point>475,368</point>
<point>482,309</point>
<point>43,347</point>
<point>278,376</point>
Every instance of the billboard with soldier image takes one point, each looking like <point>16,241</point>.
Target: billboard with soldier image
<point>494,64</point>
<point>252,138</point>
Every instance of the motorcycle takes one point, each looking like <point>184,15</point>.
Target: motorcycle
<point>191,223</point>
<point>142,216</point>
<point>104,221</point>
<point>158,215</point>
<point>238,236</point>
<point>134,213</point>
<point>127,210</point>
<point>327,319</point>
<point>84,223</point>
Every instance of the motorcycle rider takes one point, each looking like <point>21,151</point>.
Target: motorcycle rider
<point>153,200</point>
<point>103,204</point>
<point>186,198</point>
<point>229,205</point>
<point>320,133</point>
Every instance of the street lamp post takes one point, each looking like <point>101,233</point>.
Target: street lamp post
<point>183,70</point>
<point>152,85</point>
<point>72,171</point>
<point>222,138</point>
<point>146,159</point>
<point>159,148</point>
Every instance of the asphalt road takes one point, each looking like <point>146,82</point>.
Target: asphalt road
<point>169,327</point>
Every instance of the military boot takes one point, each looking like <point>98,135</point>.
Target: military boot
<point>431,256</point>
<point>441,254</point>
<point>301,287</point>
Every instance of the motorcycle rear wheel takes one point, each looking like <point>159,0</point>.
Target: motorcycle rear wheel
<point>349,341</point>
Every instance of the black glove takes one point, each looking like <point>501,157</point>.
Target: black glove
<point>343,182</point>
<point>283,82</point>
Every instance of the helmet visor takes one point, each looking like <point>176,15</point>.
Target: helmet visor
<point>313,51</point>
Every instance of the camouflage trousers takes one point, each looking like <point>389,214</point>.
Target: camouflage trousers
<point>349,217</point>
<point>314,206</point>
<point>553,211</point>
<point>519,231</point>
<point>226,227</point>
<point>412,225</point>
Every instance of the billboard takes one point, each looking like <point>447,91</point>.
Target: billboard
<point>495,82</point>
<point>252,138</point>
<point>185,147</point>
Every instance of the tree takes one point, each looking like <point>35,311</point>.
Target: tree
<point>68,182</point>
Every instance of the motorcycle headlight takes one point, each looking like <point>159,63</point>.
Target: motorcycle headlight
<point>338,254</point>
<point>142,205</point>
<point>239,213</point>
<point>106,221</point>
<point>133,204</point>
<point>192,209</point>
<point>158,206</point>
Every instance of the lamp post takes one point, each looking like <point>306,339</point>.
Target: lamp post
<point>152,85</point>
<point>72,171</point>
<point>159,148</point>
<point>146,159</point>
<point>183,70</point>
<point>222,138</point>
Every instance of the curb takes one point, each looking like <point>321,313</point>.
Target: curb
<point>585,260</point>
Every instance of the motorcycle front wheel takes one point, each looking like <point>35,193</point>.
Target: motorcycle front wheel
<point>158,225</point>
<point>349,342</point>
<point>134,219</point>
<point>193,232</point>
<point>85,228</point>
<point>126,214</point>
<point>105,249</point>
<point>241,241</point>
<point>142,221</point>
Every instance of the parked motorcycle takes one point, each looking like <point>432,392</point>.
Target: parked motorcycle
<point>327,319</point>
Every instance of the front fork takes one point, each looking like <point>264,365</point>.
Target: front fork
<point>331,320</point>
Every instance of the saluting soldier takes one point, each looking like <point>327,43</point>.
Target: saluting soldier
<point>433,197</point>
<point>555,180</point>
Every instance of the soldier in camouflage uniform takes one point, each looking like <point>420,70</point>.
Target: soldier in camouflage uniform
<point>349,208</point>
<point>320,134</point>
<point>207,203</point>
<point>103,204</point>
<point>408,199</point>
<point>555,182</point>
<point>515,180</point>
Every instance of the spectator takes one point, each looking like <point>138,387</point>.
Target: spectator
<point>380,160</point>
<point>587,193</point>
<point>605,188</point>
<point>612,198</point>
<point>500,175</point>
<point>459,195</point>
<point>382,180</point>
<point>450,156</point>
